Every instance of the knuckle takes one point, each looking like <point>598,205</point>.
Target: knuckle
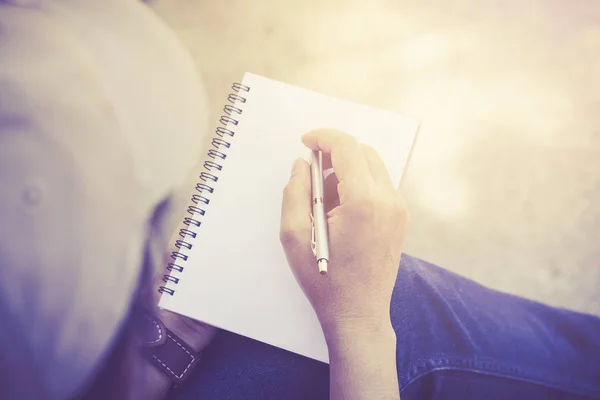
<point>350,141</point>
<point>286,190</point>
<point>381,207</point>
<point>368,149</point>
<point>286,236</point>
<point>366,206</point>
<point>344,140</point>
<point>289,191</point>
<point>371,202</point>
<point>288,233</point>
<point>399,212</point>
<point>291,235</point>
<point>296,187</point>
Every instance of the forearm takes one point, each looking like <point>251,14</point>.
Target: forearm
<point>363,363</point>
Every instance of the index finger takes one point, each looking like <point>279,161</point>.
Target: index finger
<point>347,157</point>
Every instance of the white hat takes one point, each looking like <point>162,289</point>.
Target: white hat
<point>101,114</point>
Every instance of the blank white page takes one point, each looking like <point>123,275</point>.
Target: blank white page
<point>236,276</point>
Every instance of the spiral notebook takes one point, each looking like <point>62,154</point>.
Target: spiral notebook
<point>227,267</point>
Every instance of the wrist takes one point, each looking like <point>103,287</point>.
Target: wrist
<point>341,334</point>
<point>362,360</point>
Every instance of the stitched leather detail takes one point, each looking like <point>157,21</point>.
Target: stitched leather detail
<point>159,330</point>
<point>174,358</point>
<point>150,331</point>
<point>164,349</point>
<point>186,369</point>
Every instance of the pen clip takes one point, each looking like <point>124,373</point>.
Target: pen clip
<point>313,242</point>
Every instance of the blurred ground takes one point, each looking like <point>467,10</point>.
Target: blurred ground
<point>504,184</point>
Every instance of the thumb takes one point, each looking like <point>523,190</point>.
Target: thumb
<point>296,207</point>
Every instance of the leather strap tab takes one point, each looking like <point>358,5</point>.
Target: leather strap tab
<point>164,349</point>
<point>150,331</point>
<point>175,358</point>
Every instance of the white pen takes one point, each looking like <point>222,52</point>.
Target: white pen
<point>320,241</point>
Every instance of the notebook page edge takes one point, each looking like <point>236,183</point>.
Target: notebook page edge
<point>167,301</point>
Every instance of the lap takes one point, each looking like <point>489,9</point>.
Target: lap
<point>459,334</point>
<point>456,338</point>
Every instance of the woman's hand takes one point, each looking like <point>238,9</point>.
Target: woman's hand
<point>366,232</point>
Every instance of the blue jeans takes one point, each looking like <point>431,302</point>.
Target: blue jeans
<point>456,340</point>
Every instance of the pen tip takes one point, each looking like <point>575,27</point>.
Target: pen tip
<point>322,266</point>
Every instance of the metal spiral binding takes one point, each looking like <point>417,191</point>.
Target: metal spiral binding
<point>212,165</point>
